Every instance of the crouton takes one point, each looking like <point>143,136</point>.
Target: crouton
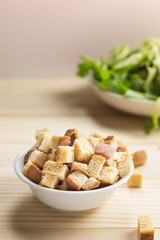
<point>108,175</point>
<point>99,134</point>
<point>52,156</point>
<point>122,149</point>
<point>83,150</point>
<point>139,158</point>
<point>28,155</point>
<point>118,158</point>
<point>90,184</point>
<point>95,140</point>
<point>32,172</point>
<point>65,141</point>
<point>111,140</point>
<point>74,134</point>
<point>38,158</point>
<point>135,180</point>
<point>62,186</point>
<point>48,180</point>
<point>75,180</point>
<point>58,169</point>
<point>95,166</point>
<point>77,166</point>
<point>45,143</point>
<point>55,141</point>
<point>124,168</point>
<point>64,154</point>
<point>145,228</point>
<point>42,131</point>
<point>104,150</point>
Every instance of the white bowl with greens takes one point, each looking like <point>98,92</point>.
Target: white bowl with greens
<point>129,80</point>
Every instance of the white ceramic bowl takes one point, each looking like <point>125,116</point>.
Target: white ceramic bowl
<point>129,105</point>
<point>68,200</point>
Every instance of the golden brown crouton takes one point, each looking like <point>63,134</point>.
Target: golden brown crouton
<point>104,150</point>
<point>38,158</point>
<point>64,154</point>
<point>108,175</point>
<point>135,180</point>
<point>139,158</point>
<point>42,131</point>
<point>48,180</point>
<point>55,141</point>
<point>65,141</point>
<point>111,140</point>
<point>75,180</point>
<point>95,140</point>
<point>45,143</point>
<point>58,169</point>
<point>32,172</point>
<point>90,184</point>
<point>83,150</point>
<point>145,228</point>
<point>52,156</point>
<point>124,168</point>
<point>95,166</point>
<point>77,166</point>
<point>28,155</point>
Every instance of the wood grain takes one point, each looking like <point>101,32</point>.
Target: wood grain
<point>31,104</point>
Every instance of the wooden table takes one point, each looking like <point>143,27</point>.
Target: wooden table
<point>30,104</point>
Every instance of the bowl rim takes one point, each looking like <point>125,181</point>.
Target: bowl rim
<point>118,96</point>
<point>20,158</point>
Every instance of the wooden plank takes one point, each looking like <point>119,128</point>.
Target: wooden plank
<point>20,209</point>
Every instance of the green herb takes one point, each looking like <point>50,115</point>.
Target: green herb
<point>133,73</point>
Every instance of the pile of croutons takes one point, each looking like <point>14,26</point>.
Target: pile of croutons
<point>75,162</point>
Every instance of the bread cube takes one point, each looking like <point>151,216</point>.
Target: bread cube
<point>122,149</point>
<point>95,140</point>
<point>118,158</point>
<point>77,166</point>
<point>145,228</point>
<point>108,175</point>
<point>38,158</point>
<point>65,141</point>
<point>104,150</point>
<point>64,154</point>
<point>52,156</point>
<point>45,143</point>
<point>74,134</point>
<point>55,141</point>
<point>90,184</point>
<point>42,131</point>
<point>111,140</point>
<point>75,180</point>
<point>135,180</point>
<point>95,166</point>
<point>58,169</point>
<point>62,186</point>
<point>139,158</point>
<point>124,168</point>
<point>83,150</point>
<point>99,134</point>
<point>28,155</point>
<point>32,172</point>
<point>48,180</point>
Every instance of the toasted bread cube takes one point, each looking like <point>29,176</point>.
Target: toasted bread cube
<point>145,228</point>
<point>52,156</point>
<point>95,140</point>
<point>122,149</point>
<point>77,166</point>
<point>83,150</point>
<point>118,158</point>
<point>32,172</point>
<point>124,168</point>
<point>108,175</point>
<point>135,180</point>
<point>95,166</point>
<point>99,134</point>
<point>48,180</point>
<point>75,180</point>
<point>74,134</point>
<point>62,186</point>
<point>64,154</point>
<point>104,150</point>
<point>65,141</point>
<point>45,143</point>
<point>90,184</point>
<point>58,169</point>
<point>38,158</point>
<point>111,140</point>
<point>44,130</point>
<point>139,158</point>
<point>28,155</point>
<point>55,141</point>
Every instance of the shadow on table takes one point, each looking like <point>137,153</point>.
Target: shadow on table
<point>84,100</point>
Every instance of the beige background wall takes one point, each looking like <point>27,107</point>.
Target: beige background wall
<point>43,38</point>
